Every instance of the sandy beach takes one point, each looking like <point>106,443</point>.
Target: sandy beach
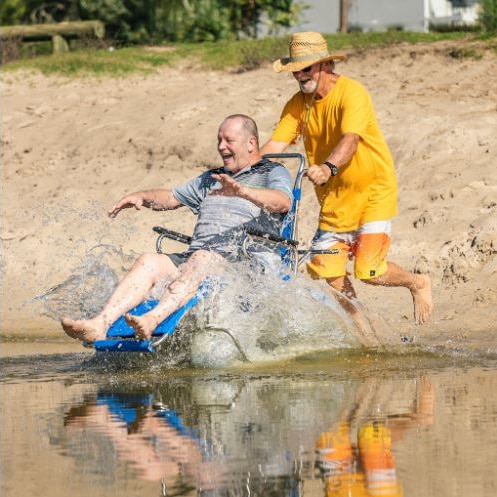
<point>72,147</point>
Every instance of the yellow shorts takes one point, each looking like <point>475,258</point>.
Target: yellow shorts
<point>368,247</point>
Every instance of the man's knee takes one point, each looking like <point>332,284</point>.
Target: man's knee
<point>338,283</point>
<point>201,255</point>
<point>147,259</point>
<point>158,264</point>
<point>343,285</point>
<point>201,258</point>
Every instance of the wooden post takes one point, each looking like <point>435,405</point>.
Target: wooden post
<point>344,16</point>
<point>59,44</point>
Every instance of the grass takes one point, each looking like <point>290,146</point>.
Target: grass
<point>223,55</point>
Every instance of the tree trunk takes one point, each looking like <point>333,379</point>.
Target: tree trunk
<point>344,16</point>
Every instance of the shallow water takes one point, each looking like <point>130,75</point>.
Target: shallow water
<point>413,423</point>
<point>416,416</point>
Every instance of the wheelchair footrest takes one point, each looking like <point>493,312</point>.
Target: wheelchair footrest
<point>124,346</point>
<point>121,337</point>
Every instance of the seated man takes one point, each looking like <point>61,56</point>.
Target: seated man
<point>247,191</point>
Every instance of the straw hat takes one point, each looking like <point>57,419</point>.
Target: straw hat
<point>306,49</point>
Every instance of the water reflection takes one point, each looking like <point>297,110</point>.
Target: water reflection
<point>149,436</point>
<point>358,460</point>
<point>263,436</point>
<point>68,430</point>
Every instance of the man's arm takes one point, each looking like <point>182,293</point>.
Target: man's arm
<point>319,174</point>
<point>274,147</point>
<point>158,200</point>
<point>265,198</point>
<point>276,200</point>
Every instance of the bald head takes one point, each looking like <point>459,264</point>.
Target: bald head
<point>238,142</point>
<point>247,125</point>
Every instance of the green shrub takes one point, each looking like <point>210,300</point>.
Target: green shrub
<point>488,15</point>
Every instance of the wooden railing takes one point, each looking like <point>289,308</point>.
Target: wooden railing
<point>59,33</point>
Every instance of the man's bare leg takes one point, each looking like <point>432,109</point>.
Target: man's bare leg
<point>191,274</point>
<point>418,284</point>
<point>147,270</point>
<point>346,296</point>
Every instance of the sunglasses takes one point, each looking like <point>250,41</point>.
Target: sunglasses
<point>307,69</point>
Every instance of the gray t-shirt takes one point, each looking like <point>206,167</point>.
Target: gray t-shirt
<point>222,220</point>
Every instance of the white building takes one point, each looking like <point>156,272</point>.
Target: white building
<point>380,15</point>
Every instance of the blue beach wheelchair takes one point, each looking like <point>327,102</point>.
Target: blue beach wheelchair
<point>121,337</point>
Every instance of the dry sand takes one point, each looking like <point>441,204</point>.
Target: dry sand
<point>70,148</point>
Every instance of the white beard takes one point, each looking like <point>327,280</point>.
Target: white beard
<point>309,86</point>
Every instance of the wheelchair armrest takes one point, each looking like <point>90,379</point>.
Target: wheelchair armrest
<point>280,240</point>
<point>173,235</point>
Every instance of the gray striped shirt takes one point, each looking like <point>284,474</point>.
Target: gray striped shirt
<point>222,220</point>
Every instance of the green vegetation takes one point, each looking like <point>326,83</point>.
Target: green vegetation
<point>226,55</point>
<point>151,21</point>
<point>488,16</point>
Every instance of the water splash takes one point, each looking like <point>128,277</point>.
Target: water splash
<point>247,317</point>
<point>255,317</point>
<point>83,294</point>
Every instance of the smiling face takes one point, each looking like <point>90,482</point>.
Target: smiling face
<point>308,78</point>
<point>235,144</point>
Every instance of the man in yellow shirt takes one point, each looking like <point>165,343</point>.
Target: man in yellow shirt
<point>351,168</point>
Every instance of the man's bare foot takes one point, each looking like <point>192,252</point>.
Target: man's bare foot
<point>143,325</point>
<point>422,298</point>
<point>86,330</point>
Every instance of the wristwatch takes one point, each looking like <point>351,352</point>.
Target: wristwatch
<point>333,168</point>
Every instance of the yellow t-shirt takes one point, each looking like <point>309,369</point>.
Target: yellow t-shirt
<point>366,188</point>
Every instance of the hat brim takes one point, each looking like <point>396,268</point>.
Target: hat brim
<point>288,65</point>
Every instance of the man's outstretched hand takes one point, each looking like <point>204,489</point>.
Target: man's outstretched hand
<point>229,186</point>
<point>133,200</point>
